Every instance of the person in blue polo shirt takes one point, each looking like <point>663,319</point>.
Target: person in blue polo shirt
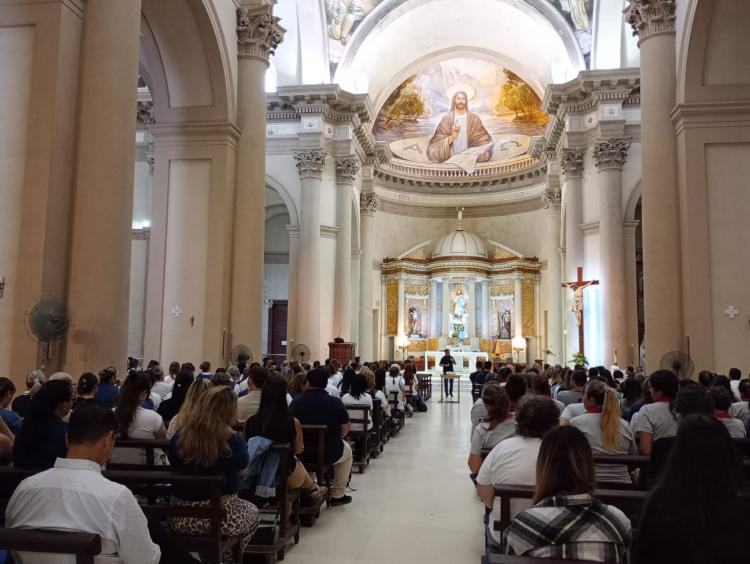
<point>316,407</point>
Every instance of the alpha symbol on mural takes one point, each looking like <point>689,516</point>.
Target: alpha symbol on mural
<point>731,312</point>
<point>414,147</point>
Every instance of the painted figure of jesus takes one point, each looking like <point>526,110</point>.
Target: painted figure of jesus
<point>458,131</point>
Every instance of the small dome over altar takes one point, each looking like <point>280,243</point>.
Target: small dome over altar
<point>460,243</point>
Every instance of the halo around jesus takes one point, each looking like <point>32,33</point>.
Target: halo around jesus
<point>470,91</point>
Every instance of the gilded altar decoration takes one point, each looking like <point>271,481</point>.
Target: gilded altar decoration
<point>527,305</point>
<point>391,300</point>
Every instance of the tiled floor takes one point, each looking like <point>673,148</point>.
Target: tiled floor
<point>414,504</point>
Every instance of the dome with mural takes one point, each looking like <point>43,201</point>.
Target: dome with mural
<point>460,243</point>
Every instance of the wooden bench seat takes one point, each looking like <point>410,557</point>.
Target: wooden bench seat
<point>505,559</point>
<point>151,446</point>
<point>314,437</point>
<point>376,433</point>
<point>360,439</point>
<point>84,546</point>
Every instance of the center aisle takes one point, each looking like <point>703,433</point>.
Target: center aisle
<point>414,504</point>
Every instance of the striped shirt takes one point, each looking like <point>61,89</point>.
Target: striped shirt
<point>573,527</point>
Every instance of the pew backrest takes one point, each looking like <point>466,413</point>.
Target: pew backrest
<point>84,546</point>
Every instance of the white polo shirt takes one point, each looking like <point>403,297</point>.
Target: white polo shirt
<point>75,497</point>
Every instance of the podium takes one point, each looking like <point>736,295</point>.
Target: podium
<point>342,352</point>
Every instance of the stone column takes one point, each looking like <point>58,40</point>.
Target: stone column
<point>518,306</point>
<point>445,307</point>
<point>472,332</point>
<point>553,338</point>
<point>293,277</point>
<point>631,293</point>
<point>258,34</point>
<point>485,309</point>
<point>354,306</point>
<point>346,172</point>
<point>310,165</point>
<point>572,166</point>
<point>609,157</point>
<point>99,280</point>
<point>368,204</point>
<point>433,309</point>
<point>653,22</point>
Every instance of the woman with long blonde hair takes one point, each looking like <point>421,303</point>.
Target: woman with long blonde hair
<point>195,393</point>
<point>206,444</point>
<point>605,429</point>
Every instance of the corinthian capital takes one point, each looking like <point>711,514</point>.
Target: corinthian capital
<point>551,200</point>
<point>611,153</point>
<point>347,169</point>
<point>258,32</point>
<point>572,162</point>
<point>310,164</point>
<point>368,203</point>
<point>650,17</point>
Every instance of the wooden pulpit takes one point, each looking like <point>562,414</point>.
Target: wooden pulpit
<point>343,352</point>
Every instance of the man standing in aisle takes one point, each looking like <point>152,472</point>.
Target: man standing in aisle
<point>447,362</point>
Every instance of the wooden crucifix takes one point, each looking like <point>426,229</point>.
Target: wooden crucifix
<point>577,308</point>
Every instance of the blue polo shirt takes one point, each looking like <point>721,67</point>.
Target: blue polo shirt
<point>316,407</point>
<point>106,395</point>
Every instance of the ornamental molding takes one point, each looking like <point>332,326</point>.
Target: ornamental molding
<point>611,154</point>
<point>310,163</point>
<point>552,201</point>
<point>347,169</point>
<point>650,17</point>
<point>572,162</point>
<point>258,33</point>
<point>368,203</point>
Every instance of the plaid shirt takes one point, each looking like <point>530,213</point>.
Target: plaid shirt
<point>574,527</point>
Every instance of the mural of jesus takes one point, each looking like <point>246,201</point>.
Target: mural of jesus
<point>458,131</point>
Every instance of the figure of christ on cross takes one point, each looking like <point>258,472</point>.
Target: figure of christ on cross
<point>577,308</point>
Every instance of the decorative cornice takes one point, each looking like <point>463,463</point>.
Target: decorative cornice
<point>258,33</point>
<point>572,162</point>
<point>310,163</point>
<point>329,232</point>
<point>551,200</point>
<point>611,154</point>
<point>347,169</point>
<point>293,230</point>
<point>650,17</point>
<point>145,114</point>
<point>368,203</point>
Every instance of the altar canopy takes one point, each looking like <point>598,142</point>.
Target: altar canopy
<point>467,294</point>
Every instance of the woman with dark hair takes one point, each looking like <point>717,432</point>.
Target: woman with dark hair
<point>706,378</point>
<point>274,422</point>
<point>657,420</point>
<point>171,406</point>
<point>359,397</point>
<point>133,420</point>
<point>497,425</point>
<point>632,393</point>
<point>106,395</point>
<point>42,437</point>
<point>298,384</point>
<point>606,431</point>
<point>174,370</point>
<point>513,460</point>
<point>11,418</point>
<point>346,380</point>
<point>694,514</point>
<point>88,384</point>
<point>566,522</point>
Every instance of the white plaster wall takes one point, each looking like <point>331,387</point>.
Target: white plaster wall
<point>277,237</point>
<point>631,173</point>
<point>282,171</point>
<point>142,193</point>
<point>138,269</point>
<point>727,171</point>
<point>592,302</point>
<point>185,269</point>
<point>16,58</point>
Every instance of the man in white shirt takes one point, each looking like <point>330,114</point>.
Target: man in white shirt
<point>74,496</point>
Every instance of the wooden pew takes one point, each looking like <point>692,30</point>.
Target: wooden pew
<point>360,439</point>
<point>283,515</point>
<point>155,485</point>
<point>376,433</point>
<point>476,392</point>
<point>628,501</point>
<point>397,423</point>
<point>151,446</point>
<point>505,559</point>
<point>313,458</point>
<point>84,546</point>
<point>425,384</point>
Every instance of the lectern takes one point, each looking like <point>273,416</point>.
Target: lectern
<point>343,352</point>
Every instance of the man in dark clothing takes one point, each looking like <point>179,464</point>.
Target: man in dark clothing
<point>447,362</point>
<point>316,407</point>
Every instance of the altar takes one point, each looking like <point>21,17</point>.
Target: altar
<point>465,360</point>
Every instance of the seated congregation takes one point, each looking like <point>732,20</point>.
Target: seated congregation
<point>587,465</point>
<point>190,465</point>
